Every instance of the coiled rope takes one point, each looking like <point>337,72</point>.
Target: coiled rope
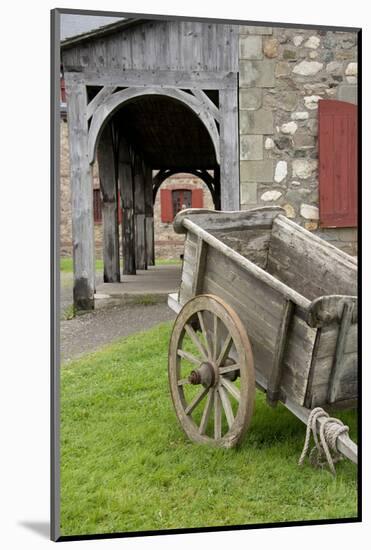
<point>329,431</point>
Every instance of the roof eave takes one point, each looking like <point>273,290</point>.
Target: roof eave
<point>100,32</point>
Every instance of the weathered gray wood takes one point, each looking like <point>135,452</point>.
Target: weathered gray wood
<point>150,229</point>
<point>310,266</point>
<point>207,103</point>
<point>207,80</point>
<point>229,150</point>
<point>200,264</point>
<point>275,377</point>
<point>140,216</point>
<point>327,309</point>
<point>158,45</point>
<point>117,99</point>
<point>212,220</point>
<point>248,266</point>
<point>334,381</point>
<point>99,99</point>
<point>251,243</point>
<point>81,197</point>
<point>108,185</point>
<point>125,177</point>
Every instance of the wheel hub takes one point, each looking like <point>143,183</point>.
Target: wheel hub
<point>204,375</point>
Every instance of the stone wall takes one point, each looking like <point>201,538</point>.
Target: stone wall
<point>167,243</point>
<point>283,74</point>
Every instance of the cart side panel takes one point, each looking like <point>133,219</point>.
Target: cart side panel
<point>323,363</point>
<point>261,309</point>
<point>307,264</point>
<point>188,268</point>
<point>250,243</point>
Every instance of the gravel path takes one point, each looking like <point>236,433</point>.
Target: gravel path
<point>89,332</point>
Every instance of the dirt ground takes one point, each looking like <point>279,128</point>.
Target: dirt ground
<point>90,331</point>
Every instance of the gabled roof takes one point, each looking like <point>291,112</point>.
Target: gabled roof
<point>100,31</point>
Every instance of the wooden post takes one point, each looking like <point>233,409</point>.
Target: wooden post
<point>125,177</point>
<point>229,150</point>
<point>108,185</point>
<point>217,202</point>
<point>140,216</point>
<point>81,197</point>
<point>148,199</point>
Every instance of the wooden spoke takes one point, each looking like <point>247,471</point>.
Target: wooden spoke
<point>207,411</point>
<point>183,382</point>
<point>193,404</point>
<point>225,350</point>
<point>206,335</point>
<point>216,337</point>
<point>232,389</point>
<point>193,336</point>
<point>217,416</point>
<point>229,368</point>
<point>226,406</point>
<point>189,357</point>
<point>218,327</point>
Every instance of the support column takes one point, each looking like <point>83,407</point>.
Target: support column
<point>125,177</point>
<point>217,187</point>
<point>148,198</point>
<point>108,185</point>
<point>229,150</point>
<point>140,216</point>
<point>81,198</point>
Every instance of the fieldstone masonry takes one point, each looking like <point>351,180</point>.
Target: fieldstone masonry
<point>283,74</point>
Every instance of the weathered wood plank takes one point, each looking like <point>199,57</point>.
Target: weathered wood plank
<point>200,265</point>
<point>81,198</point>
<point>213,220</point>
<point>275,377</point>
<point>311,266</point>
<point>99,99</point>
<point>247,266</point>
<point>229,150</point>
<point>327,309</point>
<point>140,216</point>
<point>206,80</point>
<point>125,176</point>
<point>150,229</point>
<point>108,185</point>
<point>207,103</point>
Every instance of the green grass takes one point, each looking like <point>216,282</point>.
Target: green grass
<point>127,466</point>
<point>66,263</point>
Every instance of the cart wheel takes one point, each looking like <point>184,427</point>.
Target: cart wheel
<point>211,372</point>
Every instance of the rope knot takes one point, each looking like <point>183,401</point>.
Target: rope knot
<point>329,431</point>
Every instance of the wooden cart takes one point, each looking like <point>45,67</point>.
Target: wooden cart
<point>262,302</point>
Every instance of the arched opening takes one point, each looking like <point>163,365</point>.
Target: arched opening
<point>141,139</point>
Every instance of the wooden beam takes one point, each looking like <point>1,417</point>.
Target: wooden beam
<point>206,101</point>
<point>229,150</point>
<point>99,99</point>
<point>81,198</point>
<point>108,185</point>
<point>119,98</point>
<point>140,215</point>
<point>275,377</point>
<point>336,371</point>
<point>125,178</point>
<point>207,80</point>
<point>200,264</point>
<point>148,199</point>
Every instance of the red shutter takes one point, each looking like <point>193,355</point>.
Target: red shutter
<point>337,137</point>
<point>166,206</point>
<point>197,198</point>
